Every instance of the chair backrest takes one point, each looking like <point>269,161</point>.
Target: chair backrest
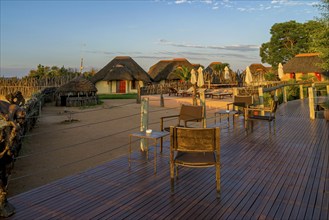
<point>242,100</point>
<point>195,139</point>
<point>190,113</point>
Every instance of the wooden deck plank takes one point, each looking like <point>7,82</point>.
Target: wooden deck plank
<point>263,176</point>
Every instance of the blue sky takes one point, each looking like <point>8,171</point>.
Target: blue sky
<point>60,33</point>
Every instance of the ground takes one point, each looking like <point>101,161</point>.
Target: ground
<point>66,141</point>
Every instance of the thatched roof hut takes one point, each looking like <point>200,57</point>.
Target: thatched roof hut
<point>306,63</point>
<point>121,75</point>
<point>210,68</point>
<point>121,68</point>
<point>77,92</point>
<point>77,85</point>
<point>258,72</point>
<point>164,69</point>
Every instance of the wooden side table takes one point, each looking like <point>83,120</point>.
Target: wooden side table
<point>155,135</point>
<point>225,112</point>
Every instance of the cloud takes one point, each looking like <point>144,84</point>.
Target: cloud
<point>292,2</point>
<point>242,48</point>
<point>182,1</point>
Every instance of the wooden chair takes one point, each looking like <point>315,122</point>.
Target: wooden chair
<point>188,113</point>
<point>240,101</point>
<point>269,115</point>
<point>196,148</point>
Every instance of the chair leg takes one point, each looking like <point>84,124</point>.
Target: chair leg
<point>172,176</point>
<point>218,180</point>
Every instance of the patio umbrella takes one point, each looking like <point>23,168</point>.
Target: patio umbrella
<point>226,73</point>
<point>193,77</point>
<point>200,77</point>
<point>280,71</point>
<point>248,78</point>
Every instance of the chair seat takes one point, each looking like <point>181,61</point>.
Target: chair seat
<point>195,159</point>
<point>261,117</point>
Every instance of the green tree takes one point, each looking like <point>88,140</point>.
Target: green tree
<point>287,40</point>
<point>183,73</point>
<point>320,41</point>
<point>219,70</point>
<point>270,76</point>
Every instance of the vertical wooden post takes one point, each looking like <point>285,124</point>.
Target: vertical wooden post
<point>161,100</point>
<point>301,92</point>
<point>327,91</point>
<point>276,94</point>
<point>194,95</point>
<point>285,94</point>
<point>311,102</point>
<point>144,122</point>
<point>235,93</point>
<point>261,98</point>
<point>203,104</point>
<point>138,100</point>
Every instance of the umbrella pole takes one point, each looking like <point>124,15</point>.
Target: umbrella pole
<point>194,95</point>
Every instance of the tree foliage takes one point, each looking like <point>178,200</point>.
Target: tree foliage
<point>287,40</point>
<point>320,41</point>
<point>183,73</point>
<point>219,70</point>
<point>54,71</point>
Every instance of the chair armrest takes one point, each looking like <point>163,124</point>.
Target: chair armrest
<point>165,117</point>
<point>170,116</point>
<point>228,105</point>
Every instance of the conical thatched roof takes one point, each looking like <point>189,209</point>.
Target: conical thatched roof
<point>119,72</point>
<point>256,68</point>
<point>304,63</point>
<point>164,69</point>
<point>210,67</point>
<point>78,84</point>
<point>119,69</point>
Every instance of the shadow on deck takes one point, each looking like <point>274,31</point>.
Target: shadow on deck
<point>263,176</point>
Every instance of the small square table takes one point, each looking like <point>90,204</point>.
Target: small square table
<point>155,135</point>
<point>228,113</point>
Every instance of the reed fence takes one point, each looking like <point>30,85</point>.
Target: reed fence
<point>30,86</point>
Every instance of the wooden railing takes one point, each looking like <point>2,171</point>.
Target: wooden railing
<point>316,92</point>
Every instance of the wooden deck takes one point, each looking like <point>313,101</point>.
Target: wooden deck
<point>263,176</point>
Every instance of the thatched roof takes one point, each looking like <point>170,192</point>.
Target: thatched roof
<point>304,63</point>
<point>256,68</point>
<point>119,72</point>
<point>121,68</point>
<point>78,84</point>
<point>210,67</point>
<point>164,69</point>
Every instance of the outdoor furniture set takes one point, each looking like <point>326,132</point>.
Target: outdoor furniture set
<point>199,147</point>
